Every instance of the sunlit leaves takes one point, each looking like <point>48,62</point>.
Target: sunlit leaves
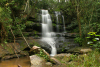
<point>97,35</point>
<point>93,39</point>
<point>92,33</point>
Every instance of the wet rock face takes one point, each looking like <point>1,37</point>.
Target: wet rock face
<point>62,44</point>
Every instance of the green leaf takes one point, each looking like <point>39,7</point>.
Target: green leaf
<point>5,42</point>
<point>95,45</point>
<point>91,34</point>
<point>91,44</point>
<point>94,40</point>
<point>87,37</point>
<point>97,35</point>
<point>2,44</point>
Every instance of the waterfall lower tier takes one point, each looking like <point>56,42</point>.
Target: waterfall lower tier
<point>52,43</point>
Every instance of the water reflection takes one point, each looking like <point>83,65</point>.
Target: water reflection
<point>23,61</point>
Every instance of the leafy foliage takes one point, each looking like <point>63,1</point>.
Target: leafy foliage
<point>78,40</point>
<point>10,13</point>
<point>42,54</point>
<point>93,39</point>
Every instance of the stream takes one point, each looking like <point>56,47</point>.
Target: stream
<point>23,61</point>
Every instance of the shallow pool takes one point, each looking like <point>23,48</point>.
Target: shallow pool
<point>23,61</point>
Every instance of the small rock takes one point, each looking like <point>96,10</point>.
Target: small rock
<point>62,55</point>
<point>85,50</point>
<point>54,60</point>
<point>35,47</point>
<point>49,63</point>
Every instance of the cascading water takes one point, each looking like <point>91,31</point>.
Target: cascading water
<point>59,0</point>
<point>47,31</point>
<point>57,13</point>
<point>64,24</point>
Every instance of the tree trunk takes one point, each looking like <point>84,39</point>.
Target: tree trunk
<point>78,19</point>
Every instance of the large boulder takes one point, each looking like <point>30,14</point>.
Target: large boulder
<point>36,61</point>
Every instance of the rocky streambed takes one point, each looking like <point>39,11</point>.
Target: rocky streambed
<point>16,50</point>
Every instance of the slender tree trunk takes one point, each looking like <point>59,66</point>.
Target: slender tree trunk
<point>78,19</point>
<point>3,32</point>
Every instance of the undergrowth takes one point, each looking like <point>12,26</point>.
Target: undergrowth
<point>91,59</point>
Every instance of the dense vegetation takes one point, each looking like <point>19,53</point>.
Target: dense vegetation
<point>81,16</point>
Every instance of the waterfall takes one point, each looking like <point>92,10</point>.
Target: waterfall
<point>59,0</point>
<point>63,23</point>
<point>47,31</point>
<point>57,13</point>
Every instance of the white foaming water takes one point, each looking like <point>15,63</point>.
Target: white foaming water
<point>47,31</point>
<point>52,43</point>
